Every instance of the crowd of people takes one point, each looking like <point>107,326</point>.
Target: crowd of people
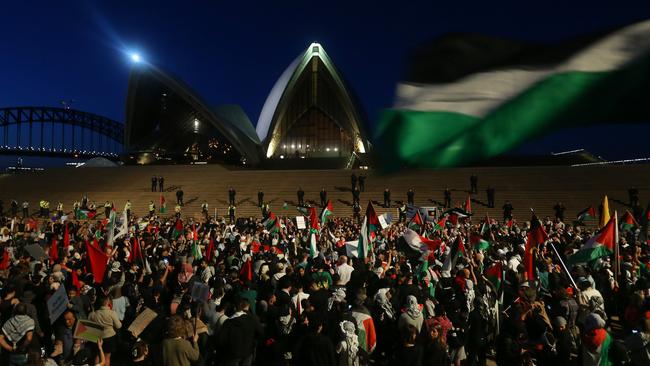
<point>450,290</point>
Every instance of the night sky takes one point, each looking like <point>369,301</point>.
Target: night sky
<point>233,51</point>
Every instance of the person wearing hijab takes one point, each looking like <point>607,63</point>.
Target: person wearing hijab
<point>411,315</point>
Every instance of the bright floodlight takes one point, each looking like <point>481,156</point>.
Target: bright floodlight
<point>135,57</point>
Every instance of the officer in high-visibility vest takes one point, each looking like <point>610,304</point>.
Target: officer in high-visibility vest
<point>41,206</point>
<point>59,209</point>
<point>204,208</point>
<point>152,208</point>
<point>177,209</point>
<point>46,210</point>
<point>265,209</point>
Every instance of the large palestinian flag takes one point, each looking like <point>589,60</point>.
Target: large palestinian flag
<point>600,245</point>
<point>470,97</point>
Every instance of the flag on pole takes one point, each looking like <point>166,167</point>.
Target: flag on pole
<point>272,223</point>
<point>494,274</point>
<point>628,222</point>
<point>457,250</point>
<point>478,242</point>
<point>98,262</point>
<point>587,214</point>
<point>420,243</point>
<point>416,221</point>
<point>163,205</point>
<point>136,251</point>
<point>468,204</point>
<point>54,250</point>
<point>313,220</point>
<point>124,227</point>
<point>110,228</point>
<point>604,216</point>
<point>600,245</point>
<point>440,225</point>
<point>178,229</point>
<point>327,211</point>
<point>442,115</point>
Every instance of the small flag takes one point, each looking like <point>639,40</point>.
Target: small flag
<point>587,214</point>
<point>478,242</point>
<point>628,222</point>
<point>494,274</point>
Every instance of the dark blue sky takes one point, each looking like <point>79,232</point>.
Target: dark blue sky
<point>233,51</point>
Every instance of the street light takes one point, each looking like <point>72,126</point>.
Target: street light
<point>135,57</point>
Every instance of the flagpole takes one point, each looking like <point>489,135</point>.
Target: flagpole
<point>564,266</point>
<point>617,262</point>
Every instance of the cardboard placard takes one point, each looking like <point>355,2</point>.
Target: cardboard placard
<point>57,304</point>
<point>89,331</point>
<point>200,292</point>
<point>142,321</point>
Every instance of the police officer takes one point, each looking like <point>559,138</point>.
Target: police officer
<point>152,208</point>
<point>107,209</point>
<point>473,182</point>
<point>447,194</point>
<point>25,209</point>
<point>353,180</point>
<point>204,208</point>
<point>490,197</point>
<point>362,182</point>
<point>127,208</point>
<point>177,210</point>
<point>507,211</point>
<point>231,213</point>
<point>84,201</point>
<point>386,197</point>
<point>265,209</point>
<point>14,208</point>
<point>231,196</point>
<point>356,209</point>
<point>559,211</point>
<point>75,209</point>
<point>59,209</point>
<point>356,195</point>
<point>301,197</point>
<point>92,208</point>
<point>41,206</point>
<point>323,197</point>
<point>154,183</point>
<point>410,196</point>
<point>161,183</point>
<point>260,198</point>
<point>179,197</point>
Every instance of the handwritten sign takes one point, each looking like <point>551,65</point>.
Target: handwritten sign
<point>142,321</point>
<point>300,222</point>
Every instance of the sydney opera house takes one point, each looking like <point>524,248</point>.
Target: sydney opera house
<point>310,116</point>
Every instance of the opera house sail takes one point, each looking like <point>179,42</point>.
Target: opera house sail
<point>167,123</point>
<point>311,113</point>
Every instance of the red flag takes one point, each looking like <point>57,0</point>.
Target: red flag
<point>208,253</point>
<point>136,251</point>
<point>66,237</point>
<point>75,280</point>
<point>468,204</point>
<point>509,224</point>
<point>246,272</point>
<point>313,219</point>
<point>54,251</point>
<point>536,235</point>
<point>98,262</point>
<point>255,247</point>
<point>195,233</point>
<point>5,259</point>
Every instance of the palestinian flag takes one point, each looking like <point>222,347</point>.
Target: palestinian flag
<point>365,331</point>
<point>196,250</point>
<point>313,245</point>
<point>420,243</point>
<point>628,222</point>
<point>495,274</point>
<point>587,214</point>
<point>81,214</point>
<point>536,236</point>
<point>455,214</point>
<point>178,229</point>
<point>272,223</point>
<point>327,211</point>
<point>136,251</point>
<point>469,97</point>
<point>457,250</point>
<point>478,242</point>
<point>163,205</point>
<point>313,221</point>
<point>303,210</point>
<point>416,221</point>
<point>285,206</point>
<point>485,227</point>
<point>600,245</point>
<point>440,225</point>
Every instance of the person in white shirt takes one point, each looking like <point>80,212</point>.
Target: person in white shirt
<point>344,270</point>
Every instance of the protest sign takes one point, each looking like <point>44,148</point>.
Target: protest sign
<point>142,321</point>
<point>57,303</point>
<point>89,331</point>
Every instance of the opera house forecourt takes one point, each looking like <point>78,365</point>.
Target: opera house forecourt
<point>310,114</point>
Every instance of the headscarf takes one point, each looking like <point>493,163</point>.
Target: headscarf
<point>337,296</point>
<point>16,327</point>
<point>382,300</point>
<point>412,307</point>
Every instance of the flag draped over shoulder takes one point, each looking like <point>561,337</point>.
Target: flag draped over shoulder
<point>536,236</point>
<point>468,97</point>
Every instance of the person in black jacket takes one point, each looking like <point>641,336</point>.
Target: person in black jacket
<point>447,198</point>
<point>323,197</point>
<point>154,183</point>
<point>386,197</point>
<point>301,197</point>
<point>356,195</point>
<point>179,197</point>
<point>490,197</point>
<point>231,196</point>
<point>260,198</point>
<point>238,335</point>
<point>315,348</point>
<point>507,211</point>
<point>353,180</point>
<point>559,211</point>
<point>161,183</point>
<point>473,182</point>
<point>362,182</point>
<point>410,196</point>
